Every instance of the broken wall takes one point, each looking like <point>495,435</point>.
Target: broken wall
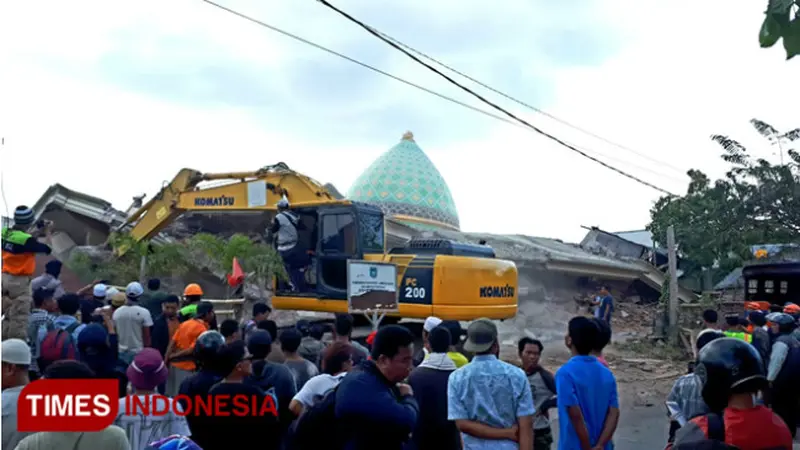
<point>546,304</point>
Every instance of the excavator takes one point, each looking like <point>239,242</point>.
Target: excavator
<point>443,278</point>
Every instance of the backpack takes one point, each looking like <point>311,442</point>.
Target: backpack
<point>33,336</point>
<point>715,437</point>
<point>59,344</point>
<point>317,426</point>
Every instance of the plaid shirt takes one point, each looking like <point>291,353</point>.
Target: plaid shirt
<point>687,393</point>
<point>36,320</point>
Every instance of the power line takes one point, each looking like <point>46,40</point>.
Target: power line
<point>355,61</point>
<point>522,103</point>
<point>517,122</point>
<point>493,105</point>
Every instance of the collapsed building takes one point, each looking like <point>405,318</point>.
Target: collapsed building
<point>417,203</point>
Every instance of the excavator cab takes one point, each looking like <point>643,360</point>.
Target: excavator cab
<point>330,235</point>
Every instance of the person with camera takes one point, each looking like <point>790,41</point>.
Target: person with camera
<point>19,265</point>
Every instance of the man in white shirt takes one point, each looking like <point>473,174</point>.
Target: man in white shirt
<point>133,324</point>
<point>146,373</point>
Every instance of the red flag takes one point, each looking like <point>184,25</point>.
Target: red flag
<point>237,277</point>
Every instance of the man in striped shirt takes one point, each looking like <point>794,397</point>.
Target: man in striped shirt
<point>42,314</point>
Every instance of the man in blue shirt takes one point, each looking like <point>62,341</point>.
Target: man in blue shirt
<point>490,400</point>
<point>588,407</point>
<point>604,305</point>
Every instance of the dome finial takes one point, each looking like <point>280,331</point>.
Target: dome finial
<point>408,136</point>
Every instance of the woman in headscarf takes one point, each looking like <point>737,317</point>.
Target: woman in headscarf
<point>97,347</point>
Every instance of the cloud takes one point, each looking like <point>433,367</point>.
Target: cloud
<point>114,99</point>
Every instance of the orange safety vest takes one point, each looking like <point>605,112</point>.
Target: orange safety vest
<point>15,262</point>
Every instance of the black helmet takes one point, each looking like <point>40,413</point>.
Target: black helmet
<point>727,366</point>
<point>206,346</point>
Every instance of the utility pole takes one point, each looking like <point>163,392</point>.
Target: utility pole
<point>674,328</point>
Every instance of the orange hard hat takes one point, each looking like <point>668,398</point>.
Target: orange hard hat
<point>752,306</point>
<point>791,308</point>
<point>192,289</point>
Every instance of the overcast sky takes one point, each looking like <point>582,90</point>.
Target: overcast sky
<point>113,98</point>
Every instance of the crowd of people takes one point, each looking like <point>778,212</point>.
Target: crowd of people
<point>743,387</point>
<point>330,391</point>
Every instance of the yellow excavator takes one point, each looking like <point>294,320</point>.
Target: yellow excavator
<point>447,279</point>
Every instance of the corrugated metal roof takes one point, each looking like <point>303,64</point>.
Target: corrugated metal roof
<point>733,280</point>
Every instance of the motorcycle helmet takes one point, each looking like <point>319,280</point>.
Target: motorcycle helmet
<point>206,347</point>
<point>728,366</point>
<point>174,442</point>
<point>785,322</point>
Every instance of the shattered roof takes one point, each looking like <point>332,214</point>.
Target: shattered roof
<point>641,237</point>
<point>541,250</point>
<point>79,203</point>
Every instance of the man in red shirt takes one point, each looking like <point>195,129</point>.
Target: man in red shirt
<point>732,374</point>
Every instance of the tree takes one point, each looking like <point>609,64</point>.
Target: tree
<point>166,260</point>
<point>260,261</point>
<point>756,202</point>
<point>782,21</point>
<point>175,259</point>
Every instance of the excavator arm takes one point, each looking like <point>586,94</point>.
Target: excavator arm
<point>247,191</point>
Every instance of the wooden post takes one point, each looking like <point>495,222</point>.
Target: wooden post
<point>674,328</point>
<point>142,269</point>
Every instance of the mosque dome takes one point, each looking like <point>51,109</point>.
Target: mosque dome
<point>405,184</point>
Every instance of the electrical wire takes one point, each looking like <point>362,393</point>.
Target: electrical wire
<point>355,61</point>
<point>527,105</point>
<point>489,103</point>
<point>511,119</point>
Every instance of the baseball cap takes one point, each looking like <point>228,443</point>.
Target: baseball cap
<point>100,290</point>
<point>431,323</point>
<point>481,335</point>
<point>134,289</point>
<point>16,351</point>
<point>118,299</point>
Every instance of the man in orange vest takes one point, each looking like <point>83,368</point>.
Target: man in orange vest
<point>19,265</point>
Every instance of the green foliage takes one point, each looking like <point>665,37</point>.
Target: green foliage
<point>258,259</point>
<point>175,259</point>
<point>664,298</point>
<point>756,202</point>
<point>167,260</point>
<point>782,21</point>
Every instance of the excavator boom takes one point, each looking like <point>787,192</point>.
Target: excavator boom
<point>247,191</point>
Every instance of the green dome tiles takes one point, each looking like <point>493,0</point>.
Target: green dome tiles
<point>403,181</point>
